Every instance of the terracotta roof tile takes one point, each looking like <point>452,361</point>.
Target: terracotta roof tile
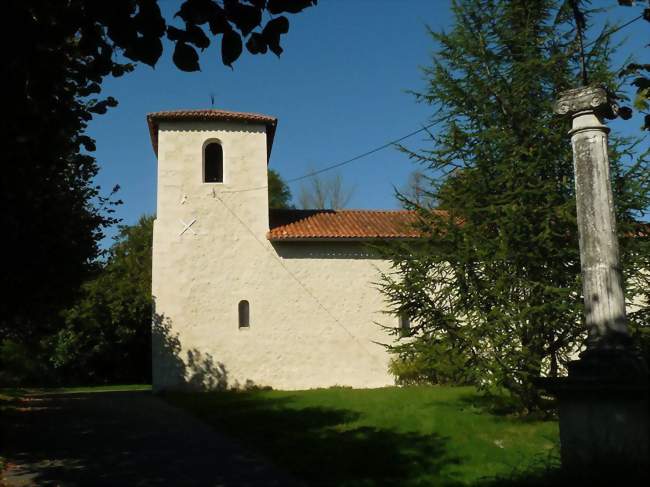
<point>341,224</point>
<point>153,119</point>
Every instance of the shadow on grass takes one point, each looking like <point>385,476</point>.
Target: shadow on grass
<point>500,405</point>
<point>554,477</point>
<point>127,438</point>
<point>323,445</point>
<point>119,439</point>
<point>131,438</point>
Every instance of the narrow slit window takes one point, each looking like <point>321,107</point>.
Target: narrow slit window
<point>244,314</point>
<point>404,325</point>
<point>213,163</point>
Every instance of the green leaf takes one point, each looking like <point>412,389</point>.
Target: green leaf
<point>272,32</point>
<point>231,47</point>
<point>196,36</point>
<point>196,11</point>
<point>245,17</point>
<point>145,49</point>
<point>185,58</point>
<point>149,20</point>
<point>256,44</point>
<point>175,34</point>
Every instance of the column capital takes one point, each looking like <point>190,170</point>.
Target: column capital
<point>595,99</point>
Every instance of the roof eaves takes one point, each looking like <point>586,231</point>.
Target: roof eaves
<point>280,238</point>
<point>154,118</point>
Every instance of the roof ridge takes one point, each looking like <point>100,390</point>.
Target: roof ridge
<point>203,114</point>
<point>378,210</point>
<point>342,224</point>
<point>349,210</point>
<point>207,111</point>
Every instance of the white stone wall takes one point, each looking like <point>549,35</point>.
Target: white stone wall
<point>313,305</point>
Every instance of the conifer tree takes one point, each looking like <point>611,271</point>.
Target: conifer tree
<point>493,290</point>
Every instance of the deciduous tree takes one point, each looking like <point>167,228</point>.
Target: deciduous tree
<point>325,192</point>
<point>416,189</point>
<point>640,72</point>
<point>106,334</point>
<point>53,214</point>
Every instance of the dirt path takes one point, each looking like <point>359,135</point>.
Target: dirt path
<point>122,439</point>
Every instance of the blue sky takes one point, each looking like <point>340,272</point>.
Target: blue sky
<point>339,89</point>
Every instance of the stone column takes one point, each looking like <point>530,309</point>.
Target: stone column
<point>599,258</point>
<point>603,403</point>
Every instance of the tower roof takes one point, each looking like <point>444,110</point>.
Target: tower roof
<point>153,120</point>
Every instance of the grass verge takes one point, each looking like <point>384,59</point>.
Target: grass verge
<point>390,436</point>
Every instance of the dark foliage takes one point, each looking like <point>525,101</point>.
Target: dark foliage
<point>106,335</point>
<point>639,73</point>
<point>279,192</point>
<point>53,213</point>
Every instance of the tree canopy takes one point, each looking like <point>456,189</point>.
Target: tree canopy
<point>55,215</point>
<point>640,74</point>
<point>106,335</point>
<point>279,192</point>
<point>325,192</point>
<point>493,290</point>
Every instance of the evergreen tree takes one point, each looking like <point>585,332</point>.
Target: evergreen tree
<point>493,290</point>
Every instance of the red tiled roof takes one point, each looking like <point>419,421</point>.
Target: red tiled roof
<point>153,120</point>
<point>301,225</point>
<point>341,224</point>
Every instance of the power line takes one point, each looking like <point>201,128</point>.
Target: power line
<point>342,163</point>
<point>355,158</point>
<point>613,31</point>
<point>599,39</point>
<point>404,137</point>
<point>300,283</point>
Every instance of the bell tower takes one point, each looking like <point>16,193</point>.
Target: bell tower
<point>211,209</point>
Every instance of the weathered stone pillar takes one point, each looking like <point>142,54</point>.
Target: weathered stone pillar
<point>599,259</point>
<point>603,403</point>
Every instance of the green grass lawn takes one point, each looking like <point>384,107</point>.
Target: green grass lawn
<point>397,436</point>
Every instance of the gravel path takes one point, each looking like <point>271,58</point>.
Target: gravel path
<point>122,439</point>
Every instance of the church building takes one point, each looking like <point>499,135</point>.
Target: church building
<point>247,295</point>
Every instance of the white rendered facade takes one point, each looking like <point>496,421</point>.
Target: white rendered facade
<point>314,308</point>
